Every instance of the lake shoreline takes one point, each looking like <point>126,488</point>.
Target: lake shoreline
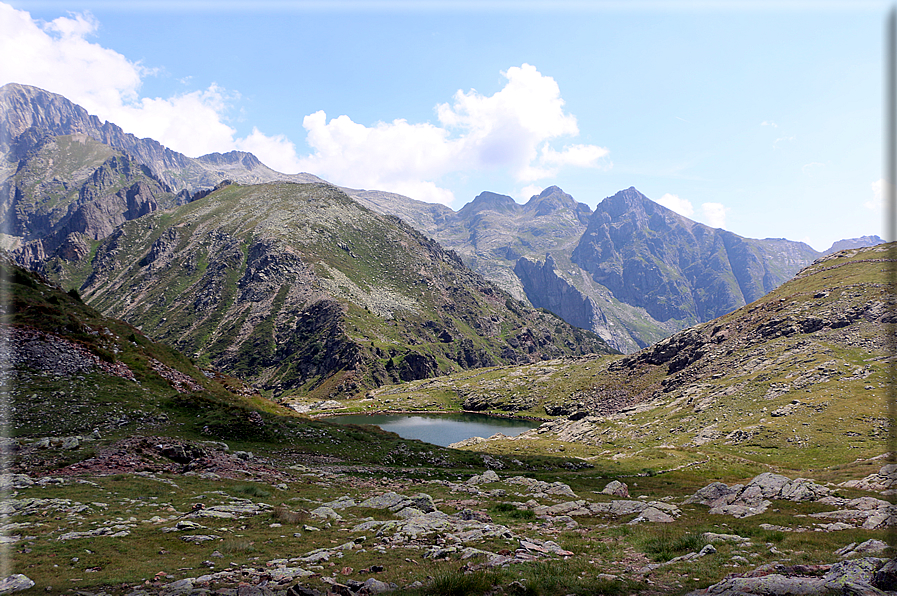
<point>438,412</point>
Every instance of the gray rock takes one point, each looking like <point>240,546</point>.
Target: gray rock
<point>712,537</point>
<point>199,538</point>
<point>384,501</point>
<point>869,547</point>
<point>710,493</point>
<point>654,515</point>
<point>856,574</point>
<point>326,513</point>
<point>375,586</point>
<point>616,488</point>
<point>803,489</point>
<point>180,586</point>
<point>15,583</point>
<point>484,478</point>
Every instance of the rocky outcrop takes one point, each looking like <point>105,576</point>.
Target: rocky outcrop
<point>862,576</point>
<point>545,289</point>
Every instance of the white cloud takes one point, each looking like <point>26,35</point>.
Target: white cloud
<point>780,139</point>
<point>276,152</point>
<point>714,214</point>
<point>58,57</point>
<point>677,204</point>
<point>528,192</point>
<point>509,130</point>
<point>769,123</point>
<point>877,202</point>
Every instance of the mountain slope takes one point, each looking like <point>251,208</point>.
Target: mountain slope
<point>299,288</point>
<point>799,375</point>
<point>61,192</point>
<point>674,268</point>
<point>633,272</point>
<point>23,107</point>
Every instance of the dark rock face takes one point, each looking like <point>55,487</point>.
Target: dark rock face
<point>546,290</point>
<point>675,268</point>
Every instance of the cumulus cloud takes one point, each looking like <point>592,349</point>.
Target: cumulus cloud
<point>877,202</point>
<point>675,203</point>
<point>714,214</point>
<point>510,130</point>
<point>769,123</point>
<point>58,56</point>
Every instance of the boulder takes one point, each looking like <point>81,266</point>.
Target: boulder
<point>616,488</point>
<point>15,583</point>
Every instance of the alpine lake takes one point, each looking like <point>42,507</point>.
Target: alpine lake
<point>441,429</point>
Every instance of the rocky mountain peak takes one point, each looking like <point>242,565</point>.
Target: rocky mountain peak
<point>489,201</point>
<point>23,107</point>
<point>630,204</point>
<point>553,200</point>
<point>231,158</point>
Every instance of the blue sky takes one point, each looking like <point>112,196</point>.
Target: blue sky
<point>762,119</point>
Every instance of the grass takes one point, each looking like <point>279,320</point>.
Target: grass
<point>252,490</point>
<point>664,547</point>
<point>509,511</point>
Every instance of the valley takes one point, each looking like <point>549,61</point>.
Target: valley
<point>713,412</point>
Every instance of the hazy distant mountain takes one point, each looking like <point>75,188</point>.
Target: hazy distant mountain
<point>632,271</point>
<point>861,242</point>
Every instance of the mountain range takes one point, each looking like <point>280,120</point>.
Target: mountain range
<point>632,271</point>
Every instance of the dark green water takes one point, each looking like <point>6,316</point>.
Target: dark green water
<point>440,429</point>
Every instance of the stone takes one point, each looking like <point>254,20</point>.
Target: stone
<point>15,583</point>
<point>869,547</point>
<point>375,586</point>
<point>803,489</point>
<point>654,515</point>
<point>484,478</point>
<point>199,538</point>
<point>886,577</point>
<point>713,537</point>
<point>384,501</point>
<point>855,574</point>
<point>325,513</point>
<point>616,488</point>
<point>181,585</point>
<point>710,493</point>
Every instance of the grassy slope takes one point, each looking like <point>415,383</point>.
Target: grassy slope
<point>235,277</point>
<point>762,384</point>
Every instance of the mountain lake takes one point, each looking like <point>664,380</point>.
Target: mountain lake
<point>441,429</point>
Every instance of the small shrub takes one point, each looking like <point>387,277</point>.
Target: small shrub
<point>511,511</point>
